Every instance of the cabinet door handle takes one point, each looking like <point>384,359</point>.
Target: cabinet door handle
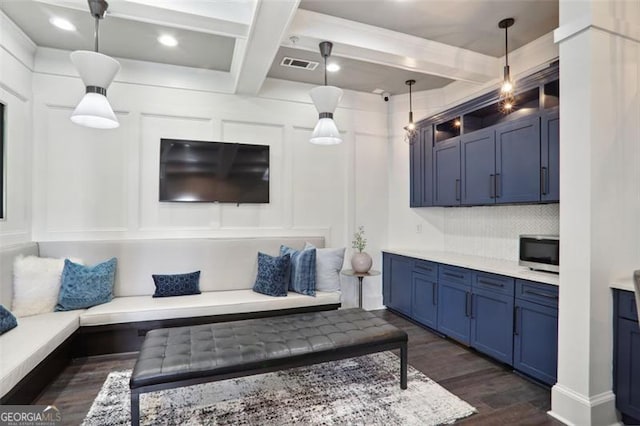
<point>434,293</point>
<point>492,186</point>
<point>457,189</point>
<point>491,283</point>
<point>471,306</point>
<point>466,304</point>
<point>498,183</point>
<point>541,294</point>
<point>543,180</point>
<point>452,275</point>
<point>516,321</point>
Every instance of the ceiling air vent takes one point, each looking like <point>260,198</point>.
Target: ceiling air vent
<point>302,64</point>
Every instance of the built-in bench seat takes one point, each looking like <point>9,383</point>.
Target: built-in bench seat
<point>25,347</point>
<point>145,308</point>
<point>35,351</point>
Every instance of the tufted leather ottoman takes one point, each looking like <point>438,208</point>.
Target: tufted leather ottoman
<point>184,356</point>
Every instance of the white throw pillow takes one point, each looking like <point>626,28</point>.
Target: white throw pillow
<point>36,285</point>
<point>328,265</point>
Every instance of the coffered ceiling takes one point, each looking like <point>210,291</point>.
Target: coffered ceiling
<point>378,43</point>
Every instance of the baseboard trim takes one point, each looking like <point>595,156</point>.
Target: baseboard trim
<point>573,408</point>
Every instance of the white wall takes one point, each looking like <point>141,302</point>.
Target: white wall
<point>484,231</point>
<point>92,184</point>
<point>16,62</point>
<point>599,158</point>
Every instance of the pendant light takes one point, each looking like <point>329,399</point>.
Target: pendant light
<point>97,71</point>
<point>326,99</point>
<point>410,129</point>
<point>507,99</point>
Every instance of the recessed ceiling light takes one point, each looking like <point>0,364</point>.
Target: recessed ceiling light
<point>333,67</point>
<point>168,40</point>
<point>62,23</point>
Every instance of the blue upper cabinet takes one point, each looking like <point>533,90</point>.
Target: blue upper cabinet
<point>478,167</point>
<point>420,166</point>
<point>517,178</point>
<point>416,171</point>
<point>475,154</point>
<point>446,173</point>
<point>550,157</point>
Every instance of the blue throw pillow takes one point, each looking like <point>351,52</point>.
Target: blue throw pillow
<point>85,286</point>
<point>7,320</point>
<point>302,277</point>
<point>177,285</point>
<point>272,273</point>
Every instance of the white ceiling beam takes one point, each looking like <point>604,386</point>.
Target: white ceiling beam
<point>385,47</point>
<point>271,22</point>
<point>142,12</point>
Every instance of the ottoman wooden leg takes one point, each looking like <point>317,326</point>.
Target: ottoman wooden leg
<point>403,365</point>
<point>135,408</point>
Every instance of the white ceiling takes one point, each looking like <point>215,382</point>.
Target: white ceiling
<point>378,43</point>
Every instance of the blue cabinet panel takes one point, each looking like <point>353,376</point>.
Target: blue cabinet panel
<point>493,282</point>
<point>454,302</point>
<point>518,161</point>
<point>420,168</point>
<point>386,279</point>
<point>544,294</point>
<point>446,173</point>
<point>627,368</point>
<point>626,305</point>
<point>426,139</point>
<point>478,167</point>
<point>492,324</point>
<point>416,171</point>
<point>454,274</point>
<point>401,284</point>
<point>550,157</point>
<point>425,300</point>
<point>535,350</point>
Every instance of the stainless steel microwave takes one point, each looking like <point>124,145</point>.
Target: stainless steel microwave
<point>540,252</point>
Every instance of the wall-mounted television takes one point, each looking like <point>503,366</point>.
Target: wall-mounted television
<point>198,171</point>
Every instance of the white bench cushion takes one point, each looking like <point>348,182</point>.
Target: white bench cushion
<point>147,308</point>
<point>35,337</point>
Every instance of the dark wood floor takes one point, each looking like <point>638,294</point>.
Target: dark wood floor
<point>501,397</point>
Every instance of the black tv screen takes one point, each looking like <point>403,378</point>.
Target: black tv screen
<point>197,171</point>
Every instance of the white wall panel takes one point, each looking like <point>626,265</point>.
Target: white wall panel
<point>16,61</point>
<point>86,185</point>
<point>319,185</point>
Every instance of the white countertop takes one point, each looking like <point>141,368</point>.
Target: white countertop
<point>495,266</point>
<point>623,284</point>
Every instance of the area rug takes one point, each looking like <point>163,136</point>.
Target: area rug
<point>363,390</point>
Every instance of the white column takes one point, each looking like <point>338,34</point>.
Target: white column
<point>600,196</point>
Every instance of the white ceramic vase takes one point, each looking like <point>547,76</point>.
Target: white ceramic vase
<point>361,262</point>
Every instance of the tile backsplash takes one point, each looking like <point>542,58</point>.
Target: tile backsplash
<point>494,231</point>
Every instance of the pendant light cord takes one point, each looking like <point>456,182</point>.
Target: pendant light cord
<point>325,70</point>
<point>506,46</point>
<point>97,33</point>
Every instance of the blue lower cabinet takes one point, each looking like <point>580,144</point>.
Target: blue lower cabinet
<point>454,301</point>
<point>398,282</point>
<point>626,361</point>
<point>425,300</point>
<point>492,324</point>
<point>535,342</point>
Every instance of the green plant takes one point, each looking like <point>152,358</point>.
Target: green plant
<point>359,241</point>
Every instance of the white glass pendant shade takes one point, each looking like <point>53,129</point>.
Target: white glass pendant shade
<point>96,70</point>
<point>94,111</point>
<point>325,133</point>
<point>326,99</point>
